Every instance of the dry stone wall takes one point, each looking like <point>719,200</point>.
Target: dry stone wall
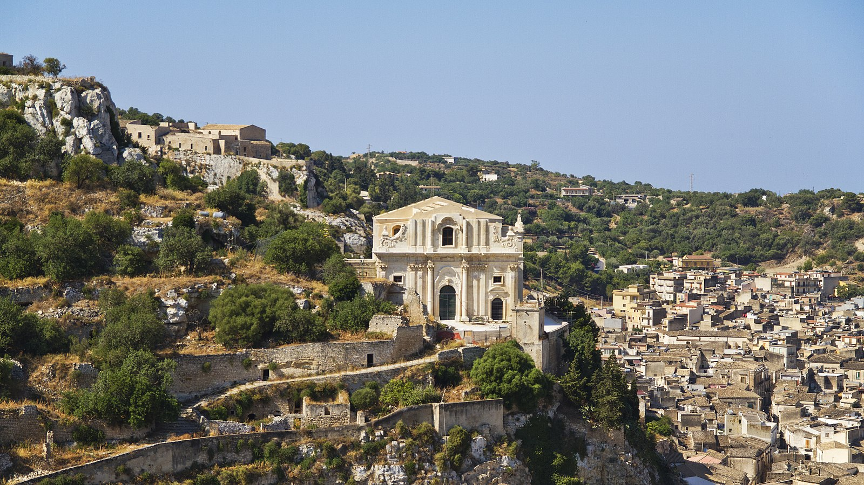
<point>192,379</point>
<point>30,423</point>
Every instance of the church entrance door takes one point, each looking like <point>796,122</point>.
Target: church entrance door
<point>447,303</point>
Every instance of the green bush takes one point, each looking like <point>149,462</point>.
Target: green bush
<point>341,279</point>
<point>175,179</point>
<point>457,446</point>
<point>17,142</point>
<point>130,324</point>
<point>364,399</point>
<point>135,176</point>
<point>662,426</point>
<point>21,331</point>
<point>402,392</point>
<point>231,199</point>
<point>245,315</point>
<point>506,372</point>
<point>182,249</point>
<point>129,261</point>
<point>129,199</point>
<point>354,315</point>
<point>65,248</point>
<point>87,435</point>
<point>108,231</point>
<point>83,169</point>
<point>447,374</point>
<point>300,250</point>
<point>134,393</point>
<point>184,218</point>
<point>17,253</point>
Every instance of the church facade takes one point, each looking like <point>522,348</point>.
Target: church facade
<point>463,263</point>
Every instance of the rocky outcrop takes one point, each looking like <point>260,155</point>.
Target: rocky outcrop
<point>80,112</point>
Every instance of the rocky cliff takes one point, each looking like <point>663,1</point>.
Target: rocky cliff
<point>79,111</point>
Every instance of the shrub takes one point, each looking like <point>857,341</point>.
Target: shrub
<point>457,445</point>
<point>21,331</point>
<point>175,179</point>
<point>206,367</point>
<point>17,140</point>
<point>354,315</point>
<point>184,218</point>
<point>129,199</point>
<point>231,199</point>
<point>247,314</point>
<point>364,399</point>
<point>182,249</point>
<point>662,426</point>
<point>83,169</point>
<point>402,392</point>
<point>134,393</point>
<point>129,261</point>
<point>135,176</point>
<point>17,253</point>
<point>108,231</point>
<point>65,248</point>
<point>446,374</point>
<point>341,279</point>
<point>300,250</point>
<point>87,435</point>
<point>506,372</point>
<point>130,324</point>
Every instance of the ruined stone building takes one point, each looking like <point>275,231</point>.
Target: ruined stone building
<point>239,140</point>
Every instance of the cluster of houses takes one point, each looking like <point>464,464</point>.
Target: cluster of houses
<point>761,376</point>
<point>627,200</point>
<point>212,139</point>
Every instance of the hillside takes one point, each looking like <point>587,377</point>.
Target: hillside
<point>136,287</point>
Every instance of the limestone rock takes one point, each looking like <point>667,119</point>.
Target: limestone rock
<point>133,155</point>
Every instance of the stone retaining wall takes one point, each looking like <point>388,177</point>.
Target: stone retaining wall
<point>178,456</point>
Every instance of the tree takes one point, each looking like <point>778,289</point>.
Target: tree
<point>83,169</point>
<point>129,260</point>
<point>506,372</point>
<point>245,314</point>
<point>341,279</point>
<point>182,249</point>
<point>65,248</point>
<point>133,175</point>
<point>17,141</point>
<point>582,345</point>
<point>609,395</point>
<point>354,315</point>
<point>231,199</point>
<point>53,67</point>
<point>300,250</point>
<point>364,399</point>
<point>662,426</point>
<point>135,393</point>
<point>108,231</point>
<point>130,324</point>
<point>17,254</point>
<point>175,179</point>
<point>185,217</point>
<point>30,65</point>
<point>21,331</point>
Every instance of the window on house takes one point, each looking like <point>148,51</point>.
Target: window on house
<point>139,134</point>
<point>447,236</point>
<point>395,230</point>
<point>497,309</point>
<point>497,279</point>
<point>397,278</point>
<point>148,137</point>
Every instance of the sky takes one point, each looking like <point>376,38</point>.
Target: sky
<point>740,94</point>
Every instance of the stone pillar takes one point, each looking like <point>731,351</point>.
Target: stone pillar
<point>430,287</point>
<point>465,236</point>
<point>482,291</point>
<point>463,293</point>
<point>484,234</point>
<point>48,447</point>
<point>514,279</point>
<point>431,244</point>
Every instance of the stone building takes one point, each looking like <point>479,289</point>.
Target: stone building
<point>463,266</point>
<point>240,140</point>
<point>463,263</point>
<point>6,60</point>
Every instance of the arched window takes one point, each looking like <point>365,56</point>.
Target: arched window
<point>447,236</point>
<point>447,303</point>
<point>395,230</point>
<point>497,309</point>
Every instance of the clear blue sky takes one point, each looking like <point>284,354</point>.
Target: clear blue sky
<point>741,94</point>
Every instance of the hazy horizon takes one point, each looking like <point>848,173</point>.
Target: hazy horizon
<point>742,95</point>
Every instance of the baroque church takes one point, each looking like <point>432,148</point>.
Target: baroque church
<point>465,267</point>
<point>464,264</point>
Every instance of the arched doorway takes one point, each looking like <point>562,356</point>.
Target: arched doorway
<point>497,309</point>
<point>447,303</point>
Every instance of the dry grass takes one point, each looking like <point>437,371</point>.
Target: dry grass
<point>255,271</point>
<point>28,456</point>
<point>174,200</point>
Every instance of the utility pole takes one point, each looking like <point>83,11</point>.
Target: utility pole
<point>369,154</point>
<point>691,182</point>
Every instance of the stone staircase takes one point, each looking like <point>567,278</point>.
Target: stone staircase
<point>185,424</point>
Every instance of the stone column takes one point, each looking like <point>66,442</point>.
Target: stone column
<point>430,290</point>
<point>463,294</point>
<point>514,279</point>
<point>482,292</point>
